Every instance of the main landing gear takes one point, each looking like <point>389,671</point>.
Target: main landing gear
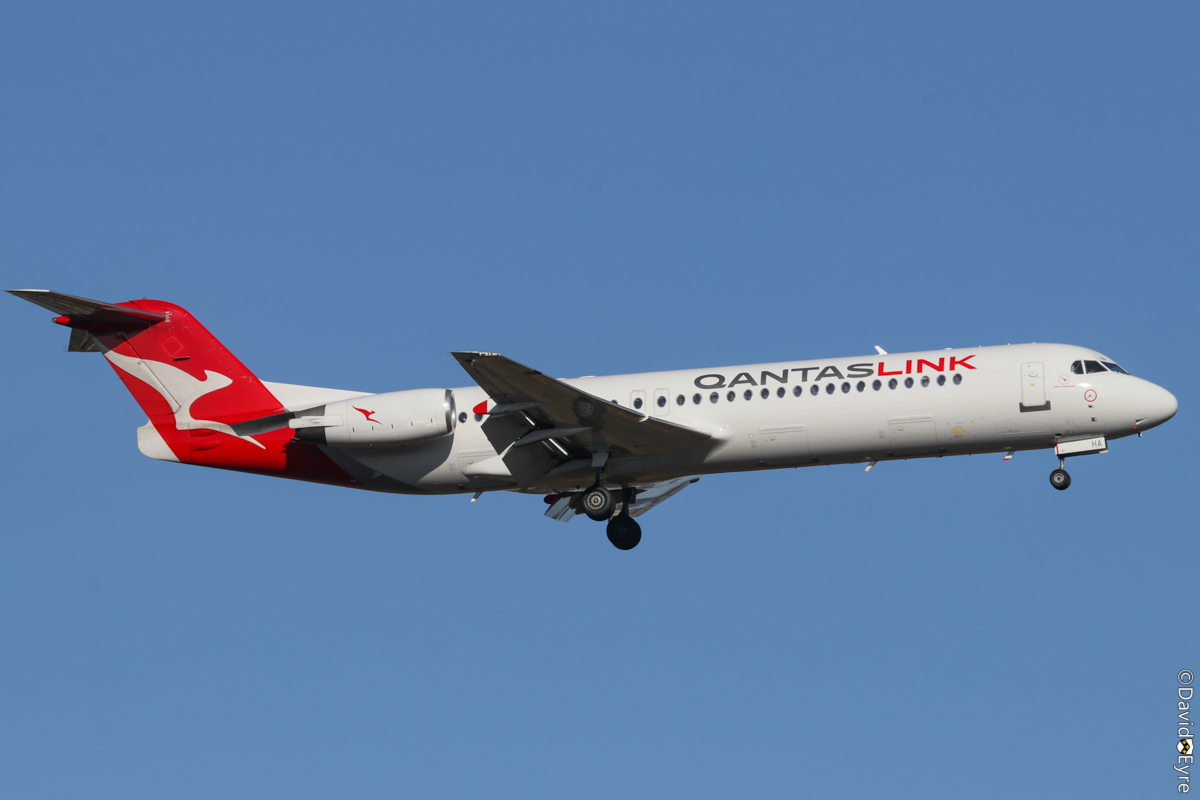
<point>1060,479</point>
<point>598,503</point>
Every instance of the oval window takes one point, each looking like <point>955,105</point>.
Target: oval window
<point>765,393</point>
<point>876,385</point>
<point>662,401</point>
<point>680,400</point>
<point>925,380</point>
<point>462,417</point>
<point>908,383</point>
<point>780,392</point>
<point>747,394</point>
<point>637,403</point>
<point>941,380</point>
<point>696,399</point>
<point>861,385</point>
<point>799,390</point>
<point>845,387</point>
<point>731,397</point>
<point>815,390</point>
<point>957,379</point>
<point>892,384</point>
<point>478,417</point>
<point>829,387</point>
<point>712,398</point>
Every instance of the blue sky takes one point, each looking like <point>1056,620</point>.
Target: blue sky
<point>345,195</point>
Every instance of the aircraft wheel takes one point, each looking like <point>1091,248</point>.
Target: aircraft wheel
<point>624,532</point>
<point>597,503</point>
<point>1059,479</point>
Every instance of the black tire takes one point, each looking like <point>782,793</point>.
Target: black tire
<point>1059,479</point>
<point>624,532</point>
<point>597,503</point>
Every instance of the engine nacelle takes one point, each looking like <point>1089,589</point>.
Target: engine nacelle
<point>380,420</point>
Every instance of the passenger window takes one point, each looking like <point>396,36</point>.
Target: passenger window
<point>941,380</point>
<point>845,387</point>
<point>908,382</point>
<point>1094,366</point>
<point>680,400</point>
<point>712,398</point>
<point>957,379</point>
<point>730,397</point>
<point>696,398</point>
<point>662,401</point>
<point>861,385</point>
<point>829,388</point>
<point>765,393</point>
<point>876,385</point>
<point>815,390</point>
<point>925,381</point>
<point>637,402</point>
<point>892,384</point>
<point>1077,367</point>
<point>799,390</point>
<point>780,391</point>
<point>747,394</point>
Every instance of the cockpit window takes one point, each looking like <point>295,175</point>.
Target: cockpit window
<point>1113,367</point>
<point>1077,367</point>
<point>1094,366</point>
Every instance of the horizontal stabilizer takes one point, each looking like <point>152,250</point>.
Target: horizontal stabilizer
<point>89,315</point>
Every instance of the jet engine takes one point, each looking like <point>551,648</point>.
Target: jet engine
<point>379,420</point>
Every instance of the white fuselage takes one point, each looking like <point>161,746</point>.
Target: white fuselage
<point>806,413</point>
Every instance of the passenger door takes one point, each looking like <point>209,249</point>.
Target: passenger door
<point>1033,387</point>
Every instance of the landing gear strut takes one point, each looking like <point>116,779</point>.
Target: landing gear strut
<point>598,502</point>
<point>1059,479</point>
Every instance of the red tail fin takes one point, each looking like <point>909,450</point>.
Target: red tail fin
<point>191,387</point>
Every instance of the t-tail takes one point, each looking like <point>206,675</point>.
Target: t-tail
<point>196,393</point>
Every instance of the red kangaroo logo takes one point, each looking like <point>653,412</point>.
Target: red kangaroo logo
<point>367,414</point>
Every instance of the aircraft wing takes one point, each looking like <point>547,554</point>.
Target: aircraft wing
<point>540,423</point>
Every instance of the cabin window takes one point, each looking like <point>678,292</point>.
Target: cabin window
<point>747,394</point>
<point>680,400</point>
<point>662,401</point>
<point>696,398</point>
<point>941,380</point>
<point>829,388</point>
<point>861,385</point>
<point>815,390</point>
<point>462,417</point>
<point>780,391</point>
<point>798,390</point>
<point>876,385</point>
<point>925,381</point>
<point>957,379</point>
<point>731,397</point>
<point>1094,366</point>
<point>765,393</point>
<point>892,384</point>
<point>712,398</point>
<point>845,387</point>
<point>637,402</point>
<point>908,383</point>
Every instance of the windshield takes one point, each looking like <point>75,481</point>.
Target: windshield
<point>1113,367</point>
<point>1094,366</point>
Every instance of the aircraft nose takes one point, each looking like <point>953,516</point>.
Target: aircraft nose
<point>1161,405</point>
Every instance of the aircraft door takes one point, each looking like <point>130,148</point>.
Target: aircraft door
<point>784,445</point>
<point>662,402</point>
<point>1033,387</point>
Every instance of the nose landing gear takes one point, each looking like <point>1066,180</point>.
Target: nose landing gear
<point>1060,479</point>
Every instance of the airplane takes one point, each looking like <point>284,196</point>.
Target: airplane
<point>609,447</point>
